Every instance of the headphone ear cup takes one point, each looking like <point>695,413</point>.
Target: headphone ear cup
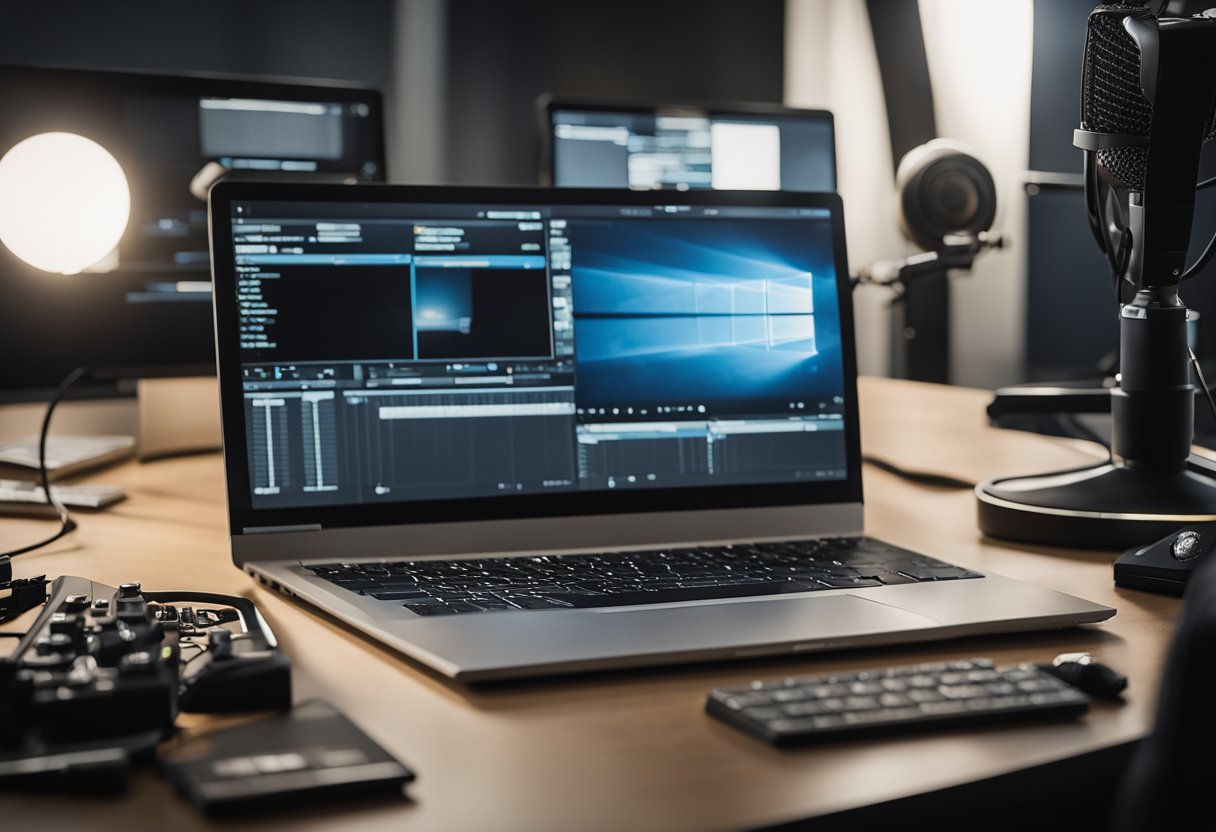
<point>943,189</point>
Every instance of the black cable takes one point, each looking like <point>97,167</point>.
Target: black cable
<point>1210,249</point>
<point>1079,430</point>
<point>11,635</point>
<point>1207,391</point>
<point>66,524</point>
<point>918,477</point>
<point>1119,257</point>
<point>1203,260</point>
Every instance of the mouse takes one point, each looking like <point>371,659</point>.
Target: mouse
<point>1166,565</point>
<point>1081,671</point>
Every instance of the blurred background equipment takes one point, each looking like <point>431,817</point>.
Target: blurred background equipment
<point>947,199</point>
<point>645,146</point>
<point>947,203</point>
<point>145,308</point>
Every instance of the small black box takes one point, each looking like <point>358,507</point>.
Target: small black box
<point>310,754</point>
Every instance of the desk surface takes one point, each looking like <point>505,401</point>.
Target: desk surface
<point>632,749</point>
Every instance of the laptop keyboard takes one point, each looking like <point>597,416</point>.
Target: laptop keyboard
<point>453,587</point>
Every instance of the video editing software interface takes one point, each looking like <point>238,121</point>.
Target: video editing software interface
<point>162,130</point>
<point>684,150</point>
<point>398,352</point>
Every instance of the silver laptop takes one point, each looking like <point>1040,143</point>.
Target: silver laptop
<point>524,432</point>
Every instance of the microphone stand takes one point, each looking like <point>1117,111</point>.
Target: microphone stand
<point>1151,483</point>
<point>915,354</point>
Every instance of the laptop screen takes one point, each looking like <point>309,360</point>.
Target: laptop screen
<point>394,352</point>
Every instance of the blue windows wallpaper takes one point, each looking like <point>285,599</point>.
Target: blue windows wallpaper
<point>740,316</point>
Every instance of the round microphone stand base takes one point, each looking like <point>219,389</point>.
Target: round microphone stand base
<point>1102,506</point>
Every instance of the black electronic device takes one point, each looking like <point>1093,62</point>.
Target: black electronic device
<point>99,678</point>
<point>1147,103</point>
<point>1166,565</point>
<point>892,700</point>
<point>686,145</point>
<point>20,594</point>
<point>312,754</point>
<point>150,315</point>
<point>1082,672</point>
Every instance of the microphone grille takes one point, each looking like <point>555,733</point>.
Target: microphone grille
<point>1111,98</point>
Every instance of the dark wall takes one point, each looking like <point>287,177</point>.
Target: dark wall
<point>502,55</point>
<point>1055,83</point>
<point>304,38</point>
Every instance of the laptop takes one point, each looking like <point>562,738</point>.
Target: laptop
<point>517,432</point>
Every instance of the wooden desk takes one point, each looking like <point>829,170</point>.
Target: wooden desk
<point>631,750</point>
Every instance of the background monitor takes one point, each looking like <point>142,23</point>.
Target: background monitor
<point>687,146</point>
<point>150,314</point>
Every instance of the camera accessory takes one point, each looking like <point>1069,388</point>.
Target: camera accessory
<point>101,675</point>
<point>312,754</point>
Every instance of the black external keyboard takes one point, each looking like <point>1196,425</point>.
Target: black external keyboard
<point>896,699</point>
<point>447,587</point>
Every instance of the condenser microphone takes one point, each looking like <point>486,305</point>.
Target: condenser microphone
<point>1148,105</point>
<point>1147,96</point>
<point>1112,101</point>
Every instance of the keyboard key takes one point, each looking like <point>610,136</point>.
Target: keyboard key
<point>783,725</point>
<point>804,709</point>
<point>357,584</point>
<point>529,603</point>
<point>847,583</point>
<point>825,691</point>
<point>962,691</point>
<point>938,573</point>
<point>865,688</point>
<point>431,609</point>
<point>940,708</point>
<point>763,713</point>
<point>397,595</point>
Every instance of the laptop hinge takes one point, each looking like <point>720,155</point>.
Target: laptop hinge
<point>306,527</point>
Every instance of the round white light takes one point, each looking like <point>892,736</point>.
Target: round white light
<point>64,202</point>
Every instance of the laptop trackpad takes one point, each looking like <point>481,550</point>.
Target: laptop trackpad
<point>769,620</point>
<point>717,629</point>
